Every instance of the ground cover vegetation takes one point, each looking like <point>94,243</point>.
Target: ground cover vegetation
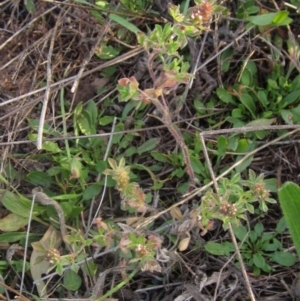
<point>149,150</point>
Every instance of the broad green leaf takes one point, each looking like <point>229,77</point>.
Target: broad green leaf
<point>225,96</point>
<point>226,59</point>
<point>291,98</point>
<point>39,178</point>
<point>72,281</point>
<point>259,228</point>
<point>284,258</point>
<point>130,151</point>
<point>261,122</point>
<point>30,6</point>
<point>92,109</point>
<point>262,96</point>
<point>245,163</point>
<point>101,166</point>
<point>92,191</point>
<point>105,120</point>
<point>12,222</point>
<point>107,52</point>
<point>148,146</point>
<point>217,249</point>
<point>160,157</point>
<point>281,226</point>
<point>120,20</point>
<point>282,18</point>
<point>222,144</point>
<point>240,232</point>
<point>259,260</point>
<point>248,102</point>
<point>197,166</point>
<point>262,20</point>
<point>69,196</point>
<point>51,147</point>
<point>290,203</point>
<point>12,236</point>
<point>279,19</point>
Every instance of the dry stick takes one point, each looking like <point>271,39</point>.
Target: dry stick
<point>245,129</point>
<point>215,183</point>
<point>39,139</point>
<point>197,191</point>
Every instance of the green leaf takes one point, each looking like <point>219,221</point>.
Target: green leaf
<point>281,226</point>
<point>39,178</point>
<point>12,236</point>
<point>262,20</point>
<point>244,164</point>
<point>259,260</point>
<point>124,23</point>
<point>72,281</point>
<point>12,222</point>
<point>290,203</point>
<point>248,102</point>
<point>51,147</point>
<point>130,151</point>
<point>107,52</point>
<point>240,232</point>
<point>262,96</point>
<point>279,19</point>
<point>261,122</point>
<point>92,110</point>
<point>226,59</point>
<point>105,120</point>
<point>259,228</point>
<point>284,258</point>
<point>197,166</point>
<point>148,146</point>
<point>218,249</point>
<point>282,18</point>
<point>160,157</point>
<point>222,144</point>
<point>92,191</point>
<point>225,96</point>
<point>30,6</point>
<point>101,166</point>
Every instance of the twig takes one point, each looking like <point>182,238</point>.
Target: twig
<point>39,140</point>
